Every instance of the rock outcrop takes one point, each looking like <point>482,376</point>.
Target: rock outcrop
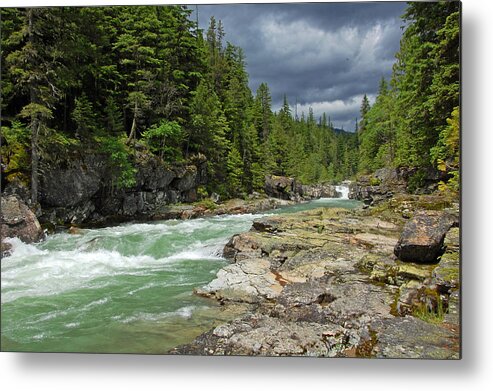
<point>82,191</point>
<point>326,283</point>
<point>384,183</point>
<point>288,188</point>
<point>381,186</point>
<point>282,187</point>
<point>17,220</point>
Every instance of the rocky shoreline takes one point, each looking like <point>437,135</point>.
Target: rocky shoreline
<point>328,283</point>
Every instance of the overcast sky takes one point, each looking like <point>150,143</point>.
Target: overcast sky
<point>325,56</point>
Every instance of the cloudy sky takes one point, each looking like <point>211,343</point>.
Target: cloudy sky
<point>323,55</point>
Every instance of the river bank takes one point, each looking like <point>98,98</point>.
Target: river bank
<point>327,283</point>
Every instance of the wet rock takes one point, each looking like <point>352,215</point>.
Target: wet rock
<point>422,239</point>
<point>18,221</point>
<point>247,281</point>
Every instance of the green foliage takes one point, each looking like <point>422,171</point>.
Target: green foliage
<point>377,132</point>
<point>131,78</point>
<point>123,172</point>
<point>235,172</point>
<point>431,315</point>
<point>15,151</point>
<point>84,116</point>
<point>446,154</point>
<point>374,181</point>
<point>416,181</point>
<point>408,125</point>
<point>207,203</point>
<point>202,192</point>
<point>165,140</point>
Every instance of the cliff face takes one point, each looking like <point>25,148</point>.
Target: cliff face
<point>386,182</point>
<point>82,191</point>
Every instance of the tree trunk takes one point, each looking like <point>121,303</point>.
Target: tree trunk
<point>34,124</point>
<point>131,136</point>
<point>34,160</point>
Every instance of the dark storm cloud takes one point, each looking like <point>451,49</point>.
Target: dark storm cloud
<point>321,55</point>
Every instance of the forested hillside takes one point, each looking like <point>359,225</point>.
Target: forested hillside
<point>130,82</point>
<point>415,119</point>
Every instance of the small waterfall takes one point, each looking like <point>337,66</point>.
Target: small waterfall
<point>344,191</point>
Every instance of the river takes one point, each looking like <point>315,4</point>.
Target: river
<point>121,289</point>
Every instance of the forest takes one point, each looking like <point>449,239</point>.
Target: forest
<point>131,82</point>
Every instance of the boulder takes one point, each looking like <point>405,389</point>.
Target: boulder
<point>17,220</point>
<point>422,239</point>
<point>247,281</point>
<point>267,224</point>
<point>279,186</point>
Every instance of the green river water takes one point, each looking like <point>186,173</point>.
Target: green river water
<point>122,289</point>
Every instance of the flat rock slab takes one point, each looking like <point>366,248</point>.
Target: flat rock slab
<point>248,281</point>
<point>410,337</point>
<point>260,335</point>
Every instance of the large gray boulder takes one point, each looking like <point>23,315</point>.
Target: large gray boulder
<point>18,221</point>
<point>422,239</point>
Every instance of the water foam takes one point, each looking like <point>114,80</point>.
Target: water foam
<point>53,272</point>
<point>183,312</point>
<point>344,190</point>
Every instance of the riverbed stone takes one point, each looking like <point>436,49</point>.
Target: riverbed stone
<point>17,220</point>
